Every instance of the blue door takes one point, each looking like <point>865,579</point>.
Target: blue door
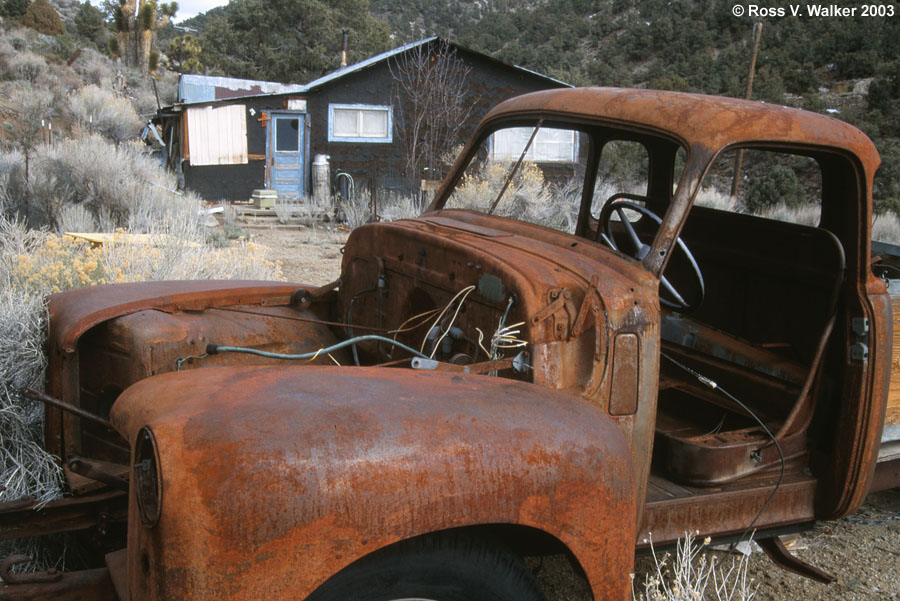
<point>284,154</point>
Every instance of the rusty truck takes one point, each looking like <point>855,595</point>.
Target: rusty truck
<point>570,351</point>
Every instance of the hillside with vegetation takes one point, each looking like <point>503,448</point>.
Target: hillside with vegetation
<point>846,67</point>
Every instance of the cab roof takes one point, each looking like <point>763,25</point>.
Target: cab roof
<point>714,122</point>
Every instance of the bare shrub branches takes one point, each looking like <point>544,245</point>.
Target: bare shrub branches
<point>432,106</point>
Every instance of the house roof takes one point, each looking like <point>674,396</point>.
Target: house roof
<point>203,89</point>
<point>335,75</point>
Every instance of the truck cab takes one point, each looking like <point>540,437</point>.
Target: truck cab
<point>570,349</point>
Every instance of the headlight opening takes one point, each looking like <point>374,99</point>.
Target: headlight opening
<point>147,479</point>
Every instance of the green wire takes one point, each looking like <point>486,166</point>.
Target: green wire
<point>213,349</point>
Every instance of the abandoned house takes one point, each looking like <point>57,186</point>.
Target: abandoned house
<point>229,137</point>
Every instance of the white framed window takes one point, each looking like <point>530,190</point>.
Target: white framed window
<point>549,146</point>
<point>359,123</point>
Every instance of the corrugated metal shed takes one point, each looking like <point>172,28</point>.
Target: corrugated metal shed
<point>203,88</point>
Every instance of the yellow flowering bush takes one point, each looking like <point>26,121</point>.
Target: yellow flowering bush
<point>60,263</point>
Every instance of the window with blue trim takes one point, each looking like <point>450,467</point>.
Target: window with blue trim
<point>359,123</point>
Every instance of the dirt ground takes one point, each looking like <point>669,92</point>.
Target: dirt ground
<point>862,551</point>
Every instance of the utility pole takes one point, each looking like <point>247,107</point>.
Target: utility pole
<point>739,158</point>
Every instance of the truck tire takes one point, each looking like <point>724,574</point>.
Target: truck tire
<point>446,567</point>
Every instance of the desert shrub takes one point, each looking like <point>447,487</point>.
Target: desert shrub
<point>20,37</point>
<point>526,198</point>
<point>716,199</point>
<point>94,68</point>
<point>285,209</point>
<point>120,186</point>
<point>354,211</point>
<point>15,8</point>
<point>393,207</point>
<point>142,95</point>
<point>90,24</point>
<point>886,228</point>
<point>6,51</point>
<point>76,218</point>
<point>25,66</point>
<point>25,468</point>
<point>778,186</point>
<point>113,117</point>
<point>60,79</point>
<point>42,17</point>
<point>805,214</point>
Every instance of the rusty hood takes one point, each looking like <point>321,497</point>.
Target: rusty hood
<point>279,477</point>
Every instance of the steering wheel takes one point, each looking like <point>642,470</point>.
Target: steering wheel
<point>616,205</point>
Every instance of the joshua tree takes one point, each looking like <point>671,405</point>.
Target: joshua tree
<point>137,21</point>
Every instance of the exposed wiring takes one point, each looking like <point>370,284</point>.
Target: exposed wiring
<point>213,349</point>
<point>715,386</point>
<point>336,362</point>
<point>350,319</point>
<point>182,360</point>
<point>441,315</point>
<point>506,337</point>
<point>446,330</point>
<point>718,427</point>
<point>403,328</point>
<point>481,342</point>
<point>500,328</point>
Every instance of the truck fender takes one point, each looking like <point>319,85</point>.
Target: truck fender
<point>272,479</point>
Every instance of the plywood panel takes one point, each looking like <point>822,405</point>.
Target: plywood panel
<point>217,136</point>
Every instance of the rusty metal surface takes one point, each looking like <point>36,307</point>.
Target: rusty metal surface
<point>91,470</point>
<point>117,564</point>
<point>713,122</point>
<point>87,585</point>
<point>778,553</point>
<point>672,508</point>
<point>50,575</point>
<point>858,436</point>
<point>64,515</point>
<point>275,478</point>
<point>74,312</point>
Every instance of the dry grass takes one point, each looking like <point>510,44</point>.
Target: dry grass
<point>394,207</point>
<point>886,228</point>
<point>693,574</point>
